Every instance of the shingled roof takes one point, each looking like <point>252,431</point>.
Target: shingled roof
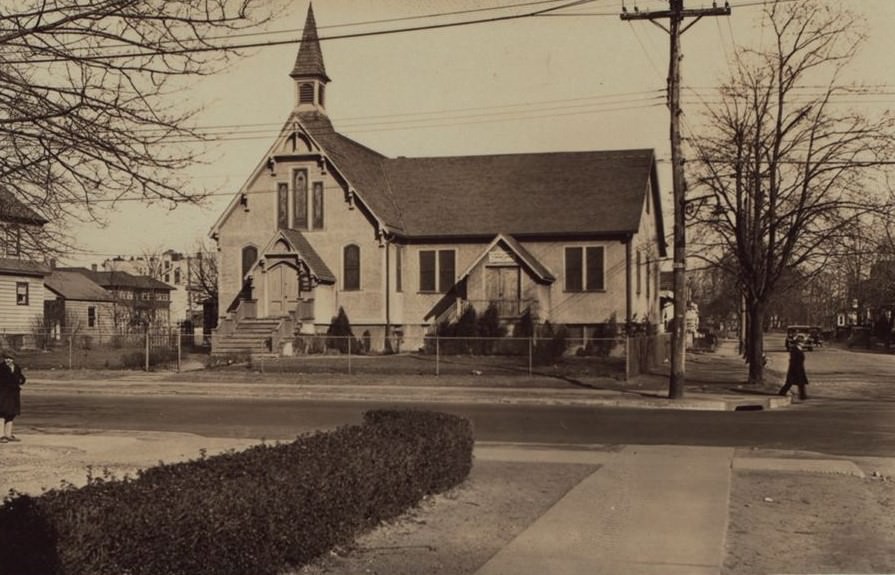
<point>75,286</point>
<point>16,266</point>
<point>13,210</point>
<point>556,193</point>
<point>119,279</point>
<point>309,61</point>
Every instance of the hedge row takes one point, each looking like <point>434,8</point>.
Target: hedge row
<point>260,511</point>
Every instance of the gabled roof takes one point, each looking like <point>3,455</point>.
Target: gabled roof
<point>310,256</point>
<point>119,279</point>
<point>72,285</point>
<point>13,210</point>
<point>361,166</point>
<point>522,194</point>
<point>309,61</point>
<point>540,272</point>
<point>555,193</point>
<point>13,266</point>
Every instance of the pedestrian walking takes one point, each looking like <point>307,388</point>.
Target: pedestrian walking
<point>11,382</point>
<point>795,374</point>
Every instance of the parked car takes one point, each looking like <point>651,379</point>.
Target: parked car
<point>810,336</point>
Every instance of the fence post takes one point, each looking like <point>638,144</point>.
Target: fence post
<point>349,353</point>
<point>627,357</point>
<point>179,337</point>
<point>146,366</point>
<point>530,356</point>
<point>437,356</point>
<point>69,353</point>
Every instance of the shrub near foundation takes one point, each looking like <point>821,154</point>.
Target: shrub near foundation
<point>259,511</point>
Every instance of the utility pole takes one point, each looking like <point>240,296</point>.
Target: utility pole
<point>676,16</point>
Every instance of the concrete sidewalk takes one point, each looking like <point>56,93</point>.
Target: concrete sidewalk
<point>667,514</point>
<point>648,510</point>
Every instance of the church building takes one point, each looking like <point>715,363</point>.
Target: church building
<point>401,244</point>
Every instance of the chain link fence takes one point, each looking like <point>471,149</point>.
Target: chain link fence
<point>170,349</point>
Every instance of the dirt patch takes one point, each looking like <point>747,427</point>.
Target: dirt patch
<point>810,523</point>
<point>457,532</point>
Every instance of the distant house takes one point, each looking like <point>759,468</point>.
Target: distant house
<point>323,223</point>
<point>21,273</point>
<point>74,304</point>
<point>183,272</point>
<point>136,300</point>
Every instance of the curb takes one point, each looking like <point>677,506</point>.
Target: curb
<point>403,394</point>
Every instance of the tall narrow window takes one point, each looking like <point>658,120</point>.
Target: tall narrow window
<point>427,270</point>
<point>282,206</point>
<point>639,265</point>
<point>574,269</point>
<point>399,268</point>
<point>351,263</point>
<point>91,316</point>
<point>249,257</point>
<point>594,259</point>
<point>317,201</point>
<point>320,94</point>
<point>21,293</point>
<point>306,94</point>
<point>300,200</point>
<point>446,260</point>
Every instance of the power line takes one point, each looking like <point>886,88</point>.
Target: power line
<point>273,43</point>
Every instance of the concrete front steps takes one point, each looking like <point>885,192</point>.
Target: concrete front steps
<point>252,336</point>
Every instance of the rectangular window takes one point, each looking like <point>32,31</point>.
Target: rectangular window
<point>427,271</point>
<point>21,293</point>
<point>399,268</point>
<point>282,206</point>
<point>91,316</point>
<point>437,270</point>
<point>639,265</point>
<point>594,270</point>
<point>317,201</point>
<point>574,269</point>
<point>300,200</point>
<point>584,269</point>
<point>351,262</point>
<point>446,270</point>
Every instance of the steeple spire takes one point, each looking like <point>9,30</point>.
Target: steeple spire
<point>309,73</point>
<point>309,62</point>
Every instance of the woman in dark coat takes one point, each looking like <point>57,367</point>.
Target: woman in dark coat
<point>796,375</point>
<point>11,381</point>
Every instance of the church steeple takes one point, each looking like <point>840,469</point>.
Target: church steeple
<point>309,72</point>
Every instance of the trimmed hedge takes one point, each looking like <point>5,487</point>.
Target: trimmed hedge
<point>260,511</point>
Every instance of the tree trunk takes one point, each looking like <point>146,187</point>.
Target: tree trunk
<point>755,345</point>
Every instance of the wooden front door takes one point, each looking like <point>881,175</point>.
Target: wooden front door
<point>282,290</point>
<point>502,288</point>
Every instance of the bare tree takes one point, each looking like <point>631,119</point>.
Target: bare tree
<point>204,273</point>
<point>93,108</point>
<point>791,170</point>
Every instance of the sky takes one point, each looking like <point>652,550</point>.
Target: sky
<point>580,79</point>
